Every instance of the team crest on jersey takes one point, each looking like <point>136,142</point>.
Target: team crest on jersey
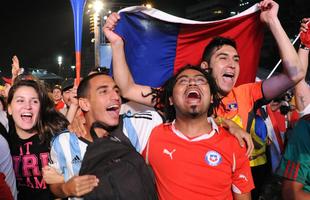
<point>232,106</point>
<point>213,158</point>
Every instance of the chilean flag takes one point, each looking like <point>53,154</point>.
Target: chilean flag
<point>158,44</point>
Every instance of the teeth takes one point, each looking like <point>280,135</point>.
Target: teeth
<point>113,107</point>
<point>27,114</point>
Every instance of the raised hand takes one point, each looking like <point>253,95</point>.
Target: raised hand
<point>15,67</point>
<point>269,10</point>
<point>304,32</point>
<point>109,27</point>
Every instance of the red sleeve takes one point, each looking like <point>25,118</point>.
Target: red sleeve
<point>4,189</point>
<point>242,176</point>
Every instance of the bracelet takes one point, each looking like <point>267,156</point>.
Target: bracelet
<point>302,46</point>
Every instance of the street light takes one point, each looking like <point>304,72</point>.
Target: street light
<point>97,7</point>
<point>148,6</point>
<point>59,60</point>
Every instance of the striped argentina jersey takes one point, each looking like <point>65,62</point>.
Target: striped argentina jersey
<point>67,150</point>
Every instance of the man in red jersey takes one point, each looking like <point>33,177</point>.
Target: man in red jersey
<point>191,156</point>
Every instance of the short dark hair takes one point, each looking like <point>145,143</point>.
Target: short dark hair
<point>216,43</point>
<point>167,91</point>
<point>83,88</point>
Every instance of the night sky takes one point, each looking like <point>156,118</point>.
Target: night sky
<point>37,30</point>
<point>34,30</point>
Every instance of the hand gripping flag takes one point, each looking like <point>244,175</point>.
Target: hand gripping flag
<point>158,44</point>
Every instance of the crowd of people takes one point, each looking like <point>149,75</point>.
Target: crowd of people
<point>202,136</point>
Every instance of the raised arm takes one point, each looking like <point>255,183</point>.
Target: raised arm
<point>302,89</point>
<point>122,76</point>
<point>293,71</point>
<point>16,69</point>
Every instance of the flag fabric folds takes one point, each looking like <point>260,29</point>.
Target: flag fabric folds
<point>158,44</point>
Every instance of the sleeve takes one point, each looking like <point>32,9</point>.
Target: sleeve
<point>4,189</point>
<point>295,161</point>
<point>138,127</point>
<point>56,156</point>
<point>242,181</point>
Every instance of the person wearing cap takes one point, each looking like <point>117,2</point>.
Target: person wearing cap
<point>69,98</point>
<point>57,97</point>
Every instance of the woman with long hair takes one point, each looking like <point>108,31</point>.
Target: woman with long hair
<point>33,121</point>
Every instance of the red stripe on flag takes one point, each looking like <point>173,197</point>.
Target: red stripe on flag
<point>247,31</point>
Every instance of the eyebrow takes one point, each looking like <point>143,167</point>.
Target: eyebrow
<point>106,86</point>
<point>16,97</point>
<point>226,54</point>
<point>197,75</point>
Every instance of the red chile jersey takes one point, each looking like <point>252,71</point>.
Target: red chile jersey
<point>210,166</point>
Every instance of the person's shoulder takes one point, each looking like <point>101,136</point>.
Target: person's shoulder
<point>63,135</point>
<point>3,142</point>
<point>227,137</point>
<point>248,86</point>
<point>225,133</point>
<point>301,130</point>
<point>143,115</point>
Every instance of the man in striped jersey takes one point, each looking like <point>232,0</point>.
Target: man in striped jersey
<point>100,100</point>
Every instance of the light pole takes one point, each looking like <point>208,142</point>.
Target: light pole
<point>73,68</point>
<point>59,60</point>
<point>97,7</point>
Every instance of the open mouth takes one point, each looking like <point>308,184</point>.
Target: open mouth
<point>229,76</point>
<point>193,95</point>
<point>26,116</point>
<point>113,108</point>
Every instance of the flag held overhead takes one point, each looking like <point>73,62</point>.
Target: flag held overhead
<point>158,44</point>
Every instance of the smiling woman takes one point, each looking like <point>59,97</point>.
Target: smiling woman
<point>33,121</point>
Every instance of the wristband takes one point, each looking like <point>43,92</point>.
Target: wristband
<point>302,46</point>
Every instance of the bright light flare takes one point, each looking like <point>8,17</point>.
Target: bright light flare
<point>98,6</point>
<point>59,59</point>
<point>148,6</point>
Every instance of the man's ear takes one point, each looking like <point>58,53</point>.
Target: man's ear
<point>84,104</point>
<point>204,65</point>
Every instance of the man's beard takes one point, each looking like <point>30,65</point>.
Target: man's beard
<point>194,112</point>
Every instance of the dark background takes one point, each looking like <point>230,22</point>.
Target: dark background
<point>38,31</point>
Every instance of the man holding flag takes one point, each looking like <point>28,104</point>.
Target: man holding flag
<point>221,56</point>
